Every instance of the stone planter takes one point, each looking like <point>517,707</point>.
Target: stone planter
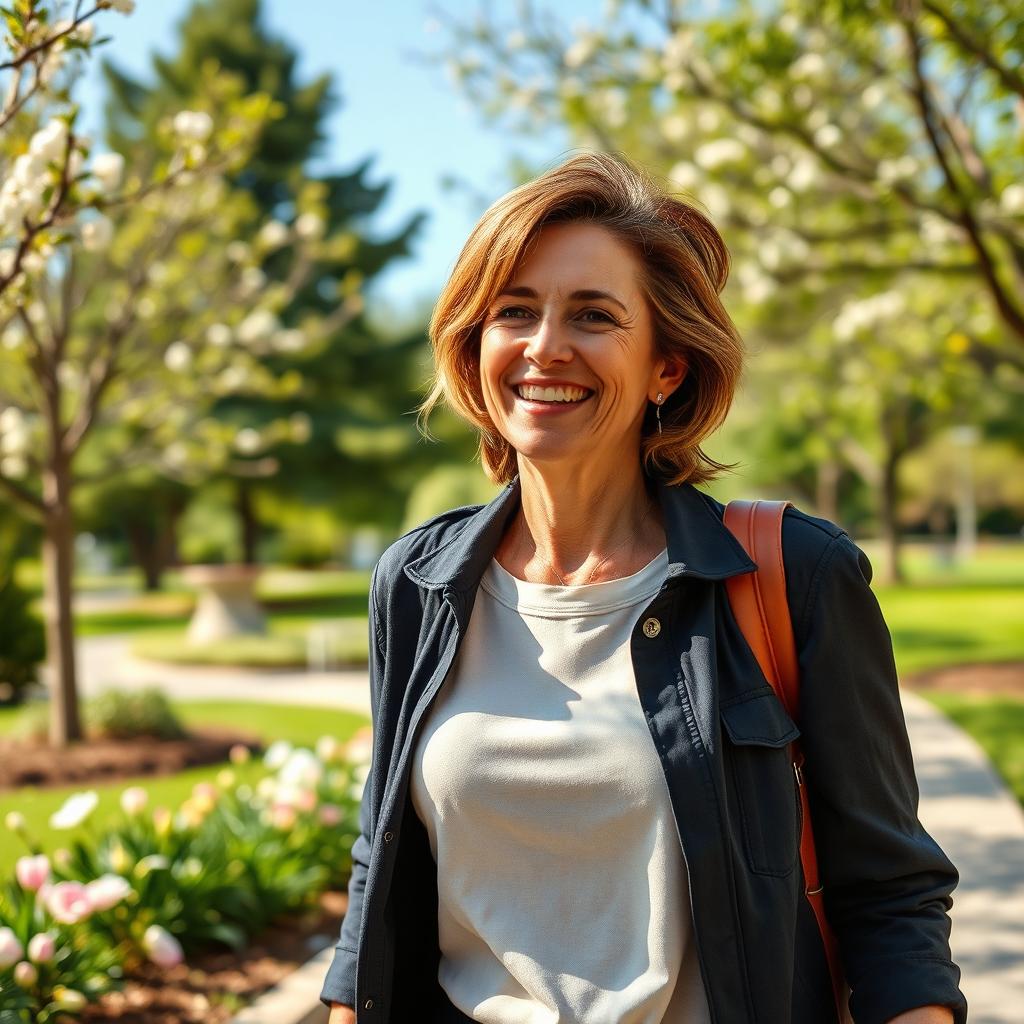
<point>227,605</point>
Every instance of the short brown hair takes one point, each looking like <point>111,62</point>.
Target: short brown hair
<point>685,264</point>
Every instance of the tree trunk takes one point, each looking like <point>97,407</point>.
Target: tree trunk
<point>892,571</point>
<point>250,525</point>
<point>58,574</point>
<point>827,492</point>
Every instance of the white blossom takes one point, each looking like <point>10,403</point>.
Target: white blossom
<point>49,142</point>
<point>827,136</point>
<point>675,127</point>
<point>684,175</point>
<point>580,50</point>
<point>716,199</point>
<point>178,357</point>
<point>248,441</point>
<point>107,169</point>
<point>97,233</point>
<point>252,280</point>
<point>309,225</point>
<point>899,169</point>
<point>218,335</point>
<point>273,234</point>
<point>804,174</point>
<point>193,125</point>
<point>1011,199</point>
<point>808,65</point>
<point>873,95</point>
<point>858,314</point>
<point>708,119</point>
<point>718,152</point>
<point>292,339</point>
<point>780,197</point>
<point>122,6</point>
<point>257,326</point>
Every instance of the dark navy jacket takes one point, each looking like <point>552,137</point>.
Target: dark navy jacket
<point>722,737</point>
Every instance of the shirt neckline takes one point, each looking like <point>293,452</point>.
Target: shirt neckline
<point>551,600</point>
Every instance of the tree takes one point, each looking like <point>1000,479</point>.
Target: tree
<point>359,383</point>
<point>845,151</point>
<point>120,330</point>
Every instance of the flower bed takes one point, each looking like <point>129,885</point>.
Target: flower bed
<point>157,887</point>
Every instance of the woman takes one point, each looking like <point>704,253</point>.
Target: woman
<point>581,806</point>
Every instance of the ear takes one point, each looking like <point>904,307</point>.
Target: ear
<point>671,373</point>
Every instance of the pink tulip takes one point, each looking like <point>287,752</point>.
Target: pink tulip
<point>107,891</point>
<point>25,974</point>
<point>41,948</point>
<point>162,947</point>
<point>330,815</point>
<point>10,948</point>
<point>32,872</point>
<point>69,902</point>
<point>283,816</point>
<point>133,800</point>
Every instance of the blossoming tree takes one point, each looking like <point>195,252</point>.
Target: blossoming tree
<point>131,299</point>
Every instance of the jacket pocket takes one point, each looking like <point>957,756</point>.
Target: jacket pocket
<point>765,796</point>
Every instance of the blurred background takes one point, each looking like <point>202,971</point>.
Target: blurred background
<point>223,226</point>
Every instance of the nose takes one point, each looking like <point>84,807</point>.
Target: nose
<point>548,343</point>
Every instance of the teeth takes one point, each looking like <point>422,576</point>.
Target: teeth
<point>559,394</point>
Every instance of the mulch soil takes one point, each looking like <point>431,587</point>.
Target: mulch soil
<point>26,762</point>
<point>212,987</point>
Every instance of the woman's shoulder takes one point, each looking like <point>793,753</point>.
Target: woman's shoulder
<point>428,536</point>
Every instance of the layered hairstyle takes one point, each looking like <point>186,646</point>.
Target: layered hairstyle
<point>684,266</point>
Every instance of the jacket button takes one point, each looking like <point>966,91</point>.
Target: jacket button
<point>388,836</point>
<point>651,627</point>
<point>368,1005</point>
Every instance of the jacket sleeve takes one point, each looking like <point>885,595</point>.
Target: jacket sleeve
<point>340,983</point>
<point>887,883</point>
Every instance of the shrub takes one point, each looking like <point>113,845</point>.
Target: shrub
<point>124,714</point>
<point>22,641</point>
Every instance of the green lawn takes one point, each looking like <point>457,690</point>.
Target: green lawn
<point>298,725</point>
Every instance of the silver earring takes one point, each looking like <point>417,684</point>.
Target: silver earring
<point>657,410</point>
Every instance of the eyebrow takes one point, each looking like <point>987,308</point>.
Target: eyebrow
<point>524,291</point>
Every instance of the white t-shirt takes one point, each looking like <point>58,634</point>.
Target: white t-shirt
<point>562,888</point>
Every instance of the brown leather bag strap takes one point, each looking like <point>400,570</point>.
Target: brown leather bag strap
<point>761,608</point>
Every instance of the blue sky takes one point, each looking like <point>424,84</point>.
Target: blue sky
<point>404,113</point>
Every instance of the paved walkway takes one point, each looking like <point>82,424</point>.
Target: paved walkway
<point>964,805</point>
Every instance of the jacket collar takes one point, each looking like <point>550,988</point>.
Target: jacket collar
<point>699,543</point>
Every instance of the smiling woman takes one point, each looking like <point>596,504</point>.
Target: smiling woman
<point>582,802</point>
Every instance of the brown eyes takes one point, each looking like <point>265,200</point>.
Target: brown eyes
<point>507,311</point>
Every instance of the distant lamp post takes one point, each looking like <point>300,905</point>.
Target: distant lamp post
<point>965,437</point>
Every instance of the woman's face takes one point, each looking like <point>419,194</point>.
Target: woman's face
<point>573,316</point>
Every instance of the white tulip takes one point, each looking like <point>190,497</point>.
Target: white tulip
<point>75,810</point>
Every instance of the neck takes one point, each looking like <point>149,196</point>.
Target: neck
<point>571,521</point>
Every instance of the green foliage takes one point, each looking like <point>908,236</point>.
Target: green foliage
<point>22,641</point>
<point>444,488</point>
<point>125,714</point>
<point>231,860</point>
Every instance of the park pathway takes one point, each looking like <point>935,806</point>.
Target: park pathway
<point>964,805</point>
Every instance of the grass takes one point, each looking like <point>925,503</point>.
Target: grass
<point>298,725</point>
<point>287,645</point>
